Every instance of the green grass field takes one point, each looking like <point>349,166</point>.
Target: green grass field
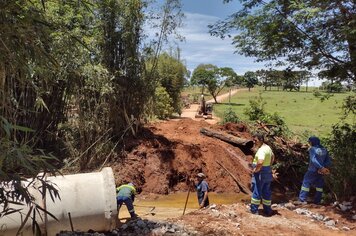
<point>302,111</point>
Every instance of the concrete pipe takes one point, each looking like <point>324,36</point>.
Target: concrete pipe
<point>89,200</point>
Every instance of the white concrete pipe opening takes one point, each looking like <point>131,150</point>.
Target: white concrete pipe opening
<point>89,198</point>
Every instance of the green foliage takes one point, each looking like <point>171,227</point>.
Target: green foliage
<point>250,79</point>
<point>305,34</point>
<point>171,73</point>
<point>342,146</point>
<point>230,116</point>
<point>214,78</point>
<point>19,162</point>
<point>334,87</point>
<point>321,96</point>
<point>349,106</point>
<point>300,110</point>
<point>162,108</point>
<point>256,112</point>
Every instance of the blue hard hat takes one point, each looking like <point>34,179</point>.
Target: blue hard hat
<point>314,140</point>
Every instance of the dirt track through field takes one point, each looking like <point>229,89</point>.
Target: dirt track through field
<point>192,110</point>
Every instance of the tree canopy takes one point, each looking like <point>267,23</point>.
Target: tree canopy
<point>317,34</point>
<point>213,78</point>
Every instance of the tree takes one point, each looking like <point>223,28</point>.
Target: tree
<point>317,34</point>
<point>202,74</point>
<point>172,74</point>
<point>250,79</point>
<point>214,78</point>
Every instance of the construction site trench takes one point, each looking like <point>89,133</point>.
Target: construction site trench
<point>166,154</point>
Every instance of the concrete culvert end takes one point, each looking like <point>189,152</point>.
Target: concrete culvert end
<point>90,199</point>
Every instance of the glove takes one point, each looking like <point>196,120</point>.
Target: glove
<point>324,171</point>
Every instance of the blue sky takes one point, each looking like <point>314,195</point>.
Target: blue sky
<point>199,47</point>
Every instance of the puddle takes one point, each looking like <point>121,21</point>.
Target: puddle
<point>161,207</point>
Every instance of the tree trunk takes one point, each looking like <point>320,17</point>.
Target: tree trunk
<point>240,142</point>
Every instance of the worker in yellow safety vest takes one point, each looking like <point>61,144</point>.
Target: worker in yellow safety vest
<point>262,176</point>
<point>126,194</point>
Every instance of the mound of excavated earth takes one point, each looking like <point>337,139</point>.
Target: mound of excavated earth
<point>168,153</point>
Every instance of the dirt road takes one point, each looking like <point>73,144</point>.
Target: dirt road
<point>190,112</point>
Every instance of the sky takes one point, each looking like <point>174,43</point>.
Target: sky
<point>200,47</point>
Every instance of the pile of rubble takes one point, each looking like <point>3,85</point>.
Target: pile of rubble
<point>328,222</point>
<point>140,227</point>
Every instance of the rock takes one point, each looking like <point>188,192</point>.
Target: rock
<point>141,224</point>
<point>346,228</point>
<point>318,217</point>
<point>215,213</point>
<point>330,223</point>
<point>125,226</point>
<point>158,232</point>
<point>353,217</point>
<point>274,205</point>
<point>345,203</point>
<point>290,206</point>
<point>212,206</point>
<point>302,211</point>
<point>344,207</point>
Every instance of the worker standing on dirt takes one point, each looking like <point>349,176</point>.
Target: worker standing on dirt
<point>126,194</point>
<point>319,160</point>
<point>202,190</point>
<point>202,105</point>
<point>262,176</point>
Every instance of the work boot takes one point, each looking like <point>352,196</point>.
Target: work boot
<point>133,215</point>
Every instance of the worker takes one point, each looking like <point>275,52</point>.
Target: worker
<point>202,106</point>
<point>319,160</point>
<point>202,189</point>
<point>262,176</point>
<point>126,194</point>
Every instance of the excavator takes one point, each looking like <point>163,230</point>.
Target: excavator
<point>205,109</point>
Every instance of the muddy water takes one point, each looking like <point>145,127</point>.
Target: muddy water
<point>161,207</point>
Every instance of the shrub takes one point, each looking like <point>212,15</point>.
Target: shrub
<point>230,116</point>
<point>256,112</point>
<point>19,162</point>
<point>342,146</point>
<point>256,109</point>
<point>162,108</point>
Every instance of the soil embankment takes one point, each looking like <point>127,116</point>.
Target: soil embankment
<point>168,153</point>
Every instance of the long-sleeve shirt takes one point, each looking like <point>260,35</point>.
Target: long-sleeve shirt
<point>318,158</point>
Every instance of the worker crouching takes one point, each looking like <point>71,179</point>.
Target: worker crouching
<point>126,194</point>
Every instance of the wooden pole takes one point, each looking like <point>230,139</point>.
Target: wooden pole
<point>186,200</point>
<point>243,188</point>
<point>70,221</point>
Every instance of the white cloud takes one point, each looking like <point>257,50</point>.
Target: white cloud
<point>200,47</point>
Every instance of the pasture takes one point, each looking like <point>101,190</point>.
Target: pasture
<point>303,113</point>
